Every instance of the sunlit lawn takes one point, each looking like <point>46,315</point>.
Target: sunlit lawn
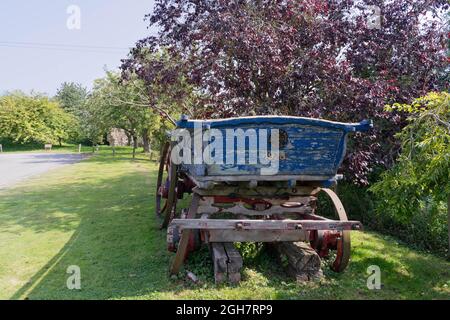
<point>98,215</point>
<point>7,148</point>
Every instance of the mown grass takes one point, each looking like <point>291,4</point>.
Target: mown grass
<point>34,148</point>
<point>98,215</point>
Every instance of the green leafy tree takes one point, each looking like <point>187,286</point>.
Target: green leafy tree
<point>25,119</point>
<point>414,192</point>
<point>72,96</point>
<point>123,105</point>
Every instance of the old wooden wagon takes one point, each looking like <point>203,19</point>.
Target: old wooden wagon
<point>254,179</point>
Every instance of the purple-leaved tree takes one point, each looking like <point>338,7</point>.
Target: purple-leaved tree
<point>337,59</point>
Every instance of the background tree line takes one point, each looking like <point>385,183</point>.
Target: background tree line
<point>34,119</point>
<point>75,115</point>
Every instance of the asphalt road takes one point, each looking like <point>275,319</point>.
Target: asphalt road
<point>15,167</point>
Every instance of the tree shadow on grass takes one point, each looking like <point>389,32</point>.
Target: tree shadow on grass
<point>116,240</point>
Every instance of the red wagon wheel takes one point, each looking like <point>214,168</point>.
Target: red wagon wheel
<point>166,187</point>
<point>343,242</point>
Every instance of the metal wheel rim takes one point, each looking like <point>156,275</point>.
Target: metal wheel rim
<point>344,242</point>
<point>162,167</point>
<point>171,201</point>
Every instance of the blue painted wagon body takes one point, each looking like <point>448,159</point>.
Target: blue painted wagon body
<point>275,206</point>
<point>310,149</point>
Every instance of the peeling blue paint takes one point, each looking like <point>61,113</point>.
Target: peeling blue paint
<point>315,147</point>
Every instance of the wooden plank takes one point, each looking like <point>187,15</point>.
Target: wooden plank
<point>229,224</point>
<point>310,216</point>
<point>235,263</point>
<point>260,191</point>
<point>257,235</point>
<point>240,208</point>
<point>220,260</point>
<point>278,121</point>
<point>248,178</point>
<point>236,205</point>
<point>185,234</point>
<point>209,200</point>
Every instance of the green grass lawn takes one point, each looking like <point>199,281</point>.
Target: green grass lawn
<point>34,148</point>
<point>65,148</point>
<point>98,215</point>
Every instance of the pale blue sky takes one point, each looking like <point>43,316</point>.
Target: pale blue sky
<point>28,28</point>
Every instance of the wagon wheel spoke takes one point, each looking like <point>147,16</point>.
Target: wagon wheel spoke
<point>170,206</point>
<point>343,252</point>
<point>160,186</point>
<point>344,241</point>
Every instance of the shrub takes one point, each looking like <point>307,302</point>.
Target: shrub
<point>33,119</point>
<point>411,197</point>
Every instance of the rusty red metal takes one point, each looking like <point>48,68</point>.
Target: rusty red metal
<point>323,241</point>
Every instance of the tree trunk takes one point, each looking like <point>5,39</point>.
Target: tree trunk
<point>128,138</point>
<point>135,144</point>
<point>60,142</point>
<point>146,140</point>
<point>303,262</point>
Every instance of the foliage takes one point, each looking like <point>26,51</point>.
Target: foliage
<point>170,94</point>
<point>413,193</point>
<point>123,105</point>
<point>72,96</point>
<point>310,58</point>
<point>25,119</point>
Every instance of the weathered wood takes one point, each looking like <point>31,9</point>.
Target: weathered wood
<point>260,191</point>
<point>311,149</point>
<point>220,260</point>
<point>182,247</point>
<point>257,235</point>
<point>227,262</point>
<point>238,178</point>
<point>284,205</point>
<point>234,263</point>
<point>229,224</point>
<point>241,209</point>
<point>301,201</point>
<point>303,262</point>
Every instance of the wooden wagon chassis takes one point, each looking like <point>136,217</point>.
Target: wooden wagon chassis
<point>259,213</point>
